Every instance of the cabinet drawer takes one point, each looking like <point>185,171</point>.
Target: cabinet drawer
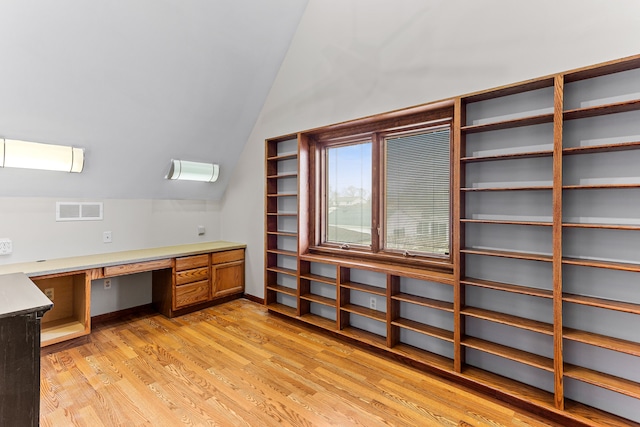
<point>189,262</point>
<point>227,256</point>
<point>193,275</point>
<point>138,267</point>
<point>192,293</point>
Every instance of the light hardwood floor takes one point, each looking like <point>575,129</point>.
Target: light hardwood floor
<point>237,365</point>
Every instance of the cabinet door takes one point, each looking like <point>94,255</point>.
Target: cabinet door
<point>228,278</point>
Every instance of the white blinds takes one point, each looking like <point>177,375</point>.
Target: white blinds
<point>417,208</point>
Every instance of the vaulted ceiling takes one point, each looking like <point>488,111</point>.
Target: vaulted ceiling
<point>137,83</point>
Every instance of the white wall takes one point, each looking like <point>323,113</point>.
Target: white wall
<point>353,58</point>
<point>135,224</point>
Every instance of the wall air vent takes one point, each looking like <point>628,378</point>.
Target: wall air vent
<point>79,211</point>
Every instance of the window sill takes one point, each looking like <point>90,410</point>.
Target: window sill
<point>436,272</point>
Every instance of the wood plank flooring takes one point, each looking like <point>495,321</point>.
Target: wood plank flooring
<point>237,365</point>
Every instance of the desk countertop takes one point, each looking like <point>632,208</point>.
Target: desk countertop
<point>63,265</point>
<point>20,296</point>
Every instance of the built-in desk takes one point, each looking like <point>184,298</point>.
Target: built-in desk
<point>184,278</point>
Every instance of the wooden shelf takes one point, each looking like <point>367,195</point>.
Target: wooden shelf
<point>421,328</point>
<point>506,222</point>
<point>611,67</point>
<point>509,320</point>
<point>522,188</point>
<point>506,287</point>
<point>365,288</point>
<point>510,353</point>
<point>511,387</point>
<point>287,271</point>
<point>282,213</point>
<point>62,330</point>
<point>508,254</point>
<point>600,379</point>
<point>513,89</point>
<point>509,124</point>
<point>283,175</point>
<point>282,252</point>
<point>286,156</point>
<point>282,309</point>
<point>282,233</point>
<point>599,186</point>
<point>283,290</point>
<point>318,278</point>
<point>423,356</point>
<point>602,148</point>
<point>622,266</point>
<point>511,156</point>
<point>425,302</point>
<point>625,307</point>
<point>319,321</point>
<point>603,341</point>
<point>366,312</point>
<point>319,299</point>
<point>365,337</point>
<point>282,195</point>
<point>397,270</point>
<point>628,227</point>
<point>601,110</point>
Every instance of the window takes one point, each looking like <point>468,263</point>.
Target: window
<point>348,204</point>
<point>382,193</point>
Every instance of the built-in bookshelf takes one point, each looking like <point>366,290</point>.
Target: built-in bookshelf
<point>542,305</point>
<point>281,222</point>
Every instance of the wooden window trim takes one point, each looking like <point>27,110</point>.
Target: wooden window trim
<point>376,128</point>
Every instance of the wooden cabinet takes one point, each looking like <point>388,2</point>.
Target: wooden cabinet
<point>542,306</point>
<point>192,281</point>
<point>227,273</point>
<point>70,316</point>
<point>197,281</point>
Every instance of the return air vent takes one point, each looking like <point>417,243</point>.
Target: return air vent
<point>78,211</point>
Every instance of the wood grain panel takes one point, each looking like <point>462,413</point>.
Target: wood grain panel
<point>190,276</point>
<point>227,256</point>
<point>192,293</point>
<point>187,263</point>
<point>137,267</point>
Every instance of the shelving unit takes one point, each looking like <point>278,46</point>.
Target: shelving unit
<point>542,306</point>
<point>599,165</point>
<point>281,219</point>
<point>506,157</point>
<point>70,316</point>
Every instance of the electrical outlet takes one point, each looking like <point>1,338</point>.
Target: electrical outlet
<point>49,293</point>
<point>107,283</point>
<point>201,230</point>
<point>106,237</point>
<point>6,247</point>
<point>372,303</point>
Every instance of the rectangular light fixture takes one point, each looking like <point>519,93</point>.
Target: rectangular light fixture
<point>34,155</point>
<point>193,171</point>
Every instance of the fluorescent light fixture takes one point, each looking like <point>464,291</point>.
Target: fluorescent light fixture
<point>34,155</point>
<point>193,171</point>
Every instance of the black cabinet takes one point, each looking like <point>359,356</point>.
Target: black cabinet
<point>22,305</point>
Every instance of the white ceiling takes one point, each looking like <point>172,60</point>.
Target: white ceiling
<point>137,83</point>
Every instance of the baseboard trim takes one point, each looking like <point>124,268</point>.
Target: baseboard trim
<point>254,299</point>
<point>108,317</point>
